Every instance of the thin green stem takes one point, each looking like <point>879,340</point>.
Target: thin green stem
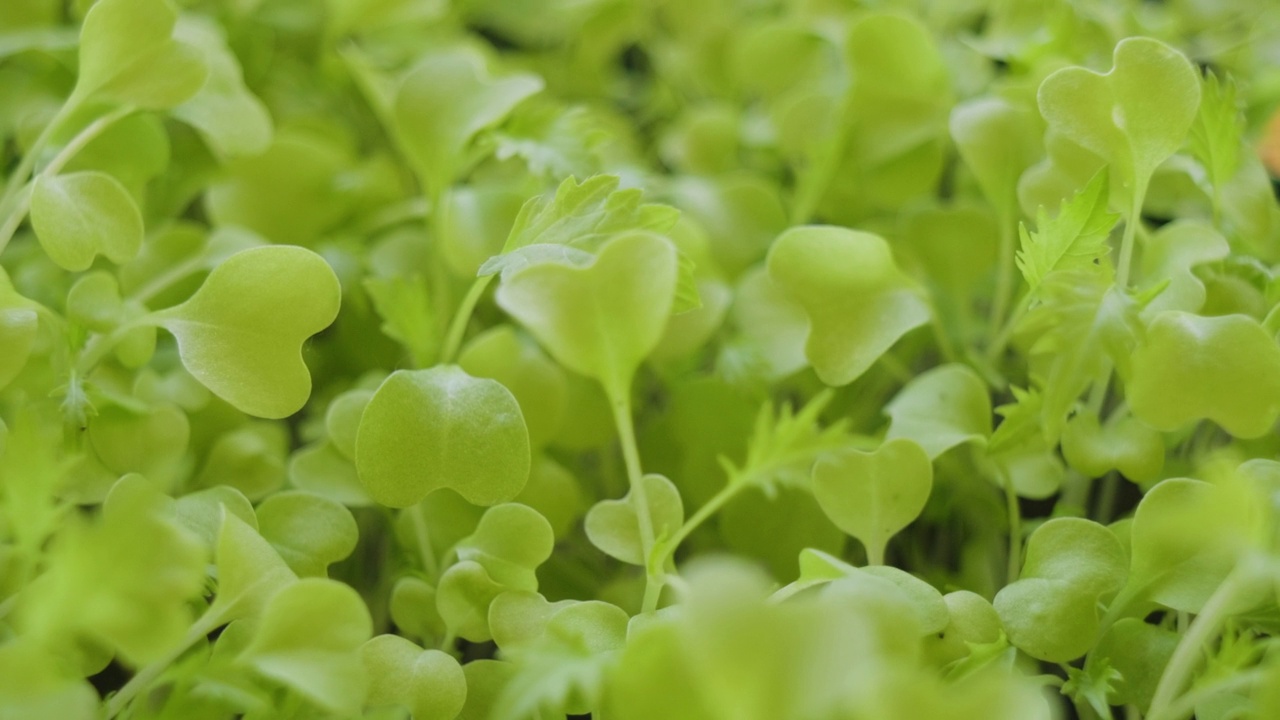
<point>1130,233</point>
<point>461,318</point>
<point>1015,529</point>
<point>102,345</point>
<point>704,513</point>
<point>1186,704</point>
<point>423,539</point>
<point>147,675</point>
<point>18,178</point>
<point>620,402</point>
<point>22,196</point>
<point>1001,340</point>
<point>1187,655</point>
<point>1004,273</point>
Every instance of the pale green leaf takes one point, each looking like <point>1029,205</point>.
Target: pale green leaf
<point>241,334</point>
<point>429,429</point>
<point>614,525</point>
<point>940,409</point>
<point>80,215</point>
<point>128,54</point>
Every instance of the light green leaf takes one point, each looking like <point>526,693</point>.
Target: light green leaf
<point>463,598</point>
<point>413,609</point>
<point>322,470</point>
<point>230,118</point>
<point>444,101</point>
<point>36,685</point>
<point>1073,240</point>
<point>1125,444</point>
<point>429,429</point>
<point>80,215</point>
<point>310,532</point>
<point>872,496</point>
<point>858,302</point>
<point>18,326</point>
<point>1139,651</point>
<point>556,494</point>
<point>1051,613</point>
<point>201,512</point>
<point>940,409</point>
<point>562,669</point>
<point>128,54</point>
<point>250,458</point>
<point>152,443</point>
<point>1136,115</point>
<point>603,319</point>
<point>1217,132</point>
<point>1171,257</point>
<point>510,542</point>
<point>510,357</point>
<point>250,571</point>
<point>429,683</point>
<point>614,525</point>
<point>405,306</point>
<point>241,333</point>
<point>998,140</point>
<point>309,638</point>
<point>1188,535</point>
<point>1225,369</point>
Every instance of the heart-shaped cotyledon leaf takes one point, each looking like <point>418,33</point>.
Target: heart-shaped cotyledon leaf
<point>241,333</point>
<point>941,409</point>
<point>429,429</point>
<point>600,319</point>
<point>1225,369</point>
<point>614,527</point>
<point>1136,116</point>
<point>79,215</point>
<point>1123,443</point>
<point>128,54</point>
<point>428,682</point>
<point>1051,613</point>
<point>872,496</point>
<point>858,302</point>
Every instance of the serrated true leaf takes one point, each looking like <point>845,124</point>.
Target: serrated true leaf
<point>80,215</point>
<point>603,319</point>
<point>128,54</point>
<point>1216,133</point>
<point>872,496</point>
<point>241,333</point>
<point>1074,239</point>
<point>858,302</point>
<point>441,428</point>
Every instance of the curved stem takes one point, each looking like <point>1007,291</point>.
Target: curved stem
<point>100,346</point>
<point>1015,529</point>
<point>1004,273</point>
<point>620,402</point>
<point>461,317</point>
<point>22,194</point>
<point>148,673</point>
<point>1186,656</point>
<point>1186,704</point>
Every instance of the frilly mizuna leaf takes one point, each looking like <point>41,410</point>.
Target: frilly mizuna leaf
<point>941,409</point>
<point>241,334</point>
<point>80,215</point>
<point>1225,369</point>
<point>444,101</point>
<point>1136,115</point>
<point>872,496</point>
<point>429,429</point>
<point>128,54</point>
<point>858,302</point>
<point>600,320</point>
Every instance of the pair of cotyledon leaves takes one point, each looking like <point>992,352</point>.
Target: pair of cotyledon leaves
<point>136,54</point>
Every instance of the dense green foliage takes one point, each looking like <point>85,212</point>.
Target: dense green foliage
<point>646,359</point>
